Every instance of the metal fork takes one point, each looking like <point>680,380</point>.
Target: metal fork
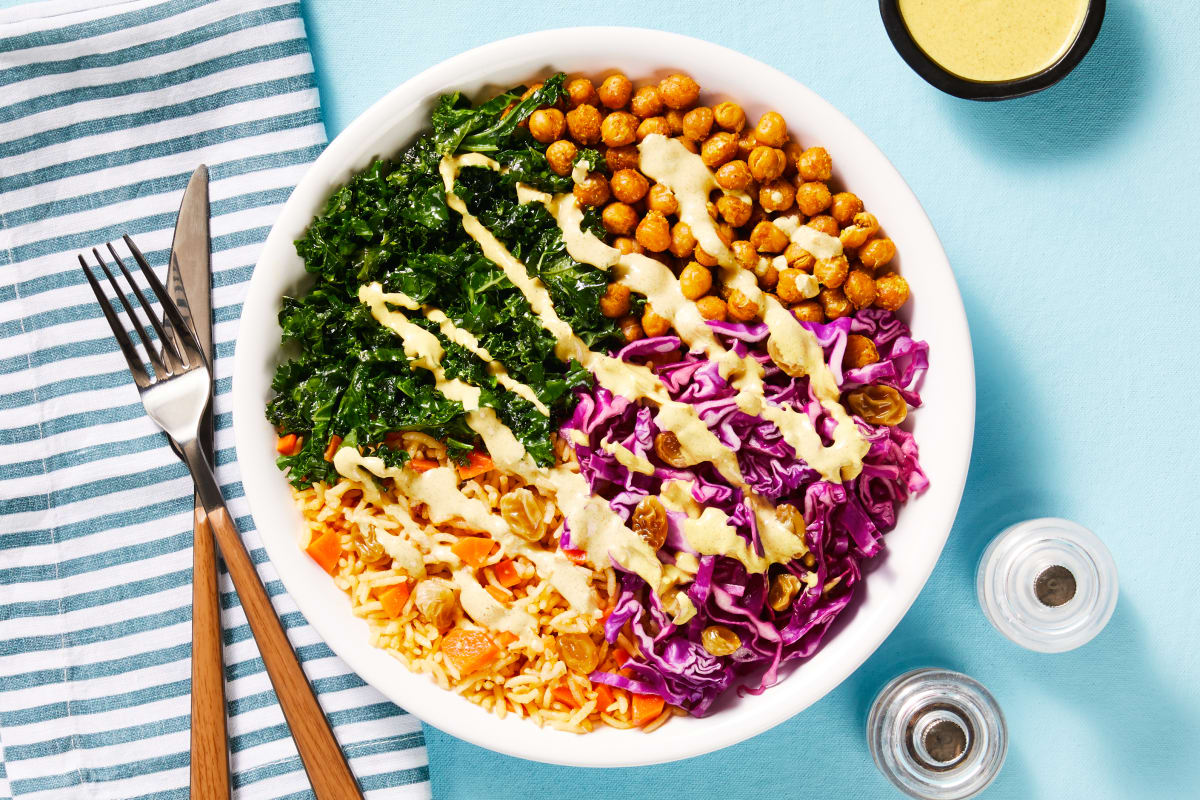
<point>175,397</point>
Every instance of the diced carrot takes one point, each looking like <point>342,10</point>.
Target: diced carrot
<point>473,549</point>
<point>422,464</point>
<point>326,549</point>
<point>469,651</point>
<point>286,444</point>
<point>608,612</point>
<point>506,573</point>
<point>477,464</point>
<point>646,707</point>
<point>335,442</point>
<point>604,696</point>
<point>577,556</point>
<point>619,655</point>
<point>563,695</point>
<point>393,599</point>
<point>505,638</point>
<point>500,596</point>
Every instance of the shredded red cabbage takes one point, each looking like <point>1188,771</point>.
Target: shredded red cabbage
<point>846,522</point>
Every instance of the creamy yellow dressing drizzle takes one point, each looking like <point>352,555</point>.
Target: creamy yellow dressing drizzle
<point>627,458</point>
<point>818,243</point>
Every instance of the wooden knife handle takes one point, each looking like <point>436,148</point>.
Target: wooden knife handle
<point>210,738</point>
<point>323,760</point>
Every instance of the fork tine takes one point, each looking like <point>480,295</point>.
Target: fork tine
<point>169,352</point>
<point>182,329</point>
<point>127,349</point>
<point>160,370</point>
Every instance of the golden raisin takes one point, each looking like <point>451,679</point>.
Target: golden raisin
<point>720,641</point>
<point>649,522</point>
<point>784,588</point>
<point>877,404</point>
<point>578,652</point>
<point>525,514</point>
<point>667,448</point>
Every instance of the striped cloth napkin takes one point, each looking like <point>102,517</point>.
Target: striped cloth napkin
<point>105,110</point>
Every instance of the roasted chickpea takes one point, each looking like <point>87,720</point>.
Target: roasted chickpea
<point>792,285</point>
<point>529,92</point>
<point>771,130</point>
<point>619,158</point>
<point>653,324</point>
<point>654,234</point>
<point>831,272</point>
<point>695,281</point>
<point>859,288</point>
<point>583,122</point>
<point>674,118</point>
<point>592,190</point>
<point>718,148</point>
<point>619,218</point>
<point>853,237</point>
<point>683,241</point>
<point>701,255</point>
<point>798,258</point>
<point>561,156</point>
<point>712,307</point>
<point>835,304</point>
<point>815,164</point>
<point>626,245</point>
<point>547,124</point>
<point>746,144</point>
<point>678,91</point>
<point>688,144</point>
<point>729,116</point>
<point>646,102</point>
<point>629,185</point>
<point>809,311</point>
<point>823,223</point>
<point>734,210</point>
<point>791,152</point>
<point>867,222</point>
<point>812,198</point>
<point>615,302</point>
<point>631,329</point>
<point>741,308</point>
<point>619,129</point>
<point>860,351</point>
<point>844,206</point>
<point>766,163</point>
<point>769,278</point>
<point>734,175</point>
<point>661,199</point>
<point>746,255</point>
<point>877,253</point>
<point>651,125</point>
<point>776,195</point>
<point>615,91</point>
<point>766,238</point>
<point>891,291</point>
<point>697,123</point>
<point>580,91</point>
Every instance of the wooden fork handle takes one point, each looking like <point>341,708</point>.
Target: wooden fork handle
<point>323,760</point>
<point>210,741</point>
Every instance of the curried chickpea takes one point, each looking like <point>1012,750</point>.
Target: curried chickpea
<point>718,148</point>
<point>619,158</point>
<point>702,257</point>
<point>683,241</point>
<point>815,164</point>
<point>619,218</point>
<point>844,206</point>
<point>776,195</point>
<point>877,253</point>
<point>867,222</point>
<point>769,278</point>
<point>619,129</point>
<point>615,302</point>
<point>653,324</point>
<point>792,285</point>
<point>592,190</point>
<point>561,156</point>
<point>581,91</point>
<point>766,238</point>
<point>615,91</point>
<point>860,351</point>
<point>626,245</point>
<point>583,122</point>
<point>891,291</point>
<point>734,175</point>
<point>712,307</point>
<point>726,233</point>
<point>746,144</point>
<point>746,255</point>
<point>653,125</point>
<point>791,151</point>
<point>688,144</point>
<point>809,311</point>
<point>835,303</point>
<point>678,91</point>
<point>733,210</point>
<point>729,116</point>
<point>661,199</point>
<point>547,124</point>
<point>654,234</point>
<point>741,307</point>
<point>674,118</point>
<point>631,329</point>
<point>697,123</point>
<point>629,185</point>
<point>695,281</point>
<point>646,102</point>
<point>823,223</point>
<point>831,272</point>
<point>771,130</point>
<point>766,163</point>
<point>812,198</point>
<point>853,237</point>
<point>799,258</point>
<point>859,288</point>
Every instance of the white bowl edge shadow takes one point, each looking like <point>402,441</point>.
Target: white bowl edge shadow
<point>944,427</point>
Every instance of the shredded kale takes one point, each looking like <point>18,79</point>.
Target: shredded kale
<point>348,376</point>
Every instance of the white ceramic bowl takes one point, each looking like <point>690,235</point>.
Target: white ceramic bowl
<point>943,427</point>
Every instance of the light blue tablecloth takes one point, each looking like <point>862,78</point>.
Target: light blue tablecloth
<point>1069,218</point>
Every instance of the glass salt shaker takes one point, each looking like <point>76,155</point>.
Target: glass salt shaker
<point>1048,584</point>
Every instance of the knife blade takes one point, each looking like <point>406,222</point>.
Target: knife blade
<point>189,285</point>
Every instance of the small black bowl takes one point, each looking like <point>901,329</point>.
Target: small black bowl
<point>950,83</point>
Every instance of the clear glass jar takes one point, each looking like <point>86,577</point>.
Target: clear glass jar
<point>937,734</point>
<point>1048,584</point>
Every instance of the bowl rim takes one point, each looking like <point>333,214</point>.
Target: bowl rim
<point>536,743</point>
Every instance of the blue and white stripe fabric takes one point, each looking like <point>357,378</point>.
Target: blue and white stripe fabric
<point>105,110</point>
